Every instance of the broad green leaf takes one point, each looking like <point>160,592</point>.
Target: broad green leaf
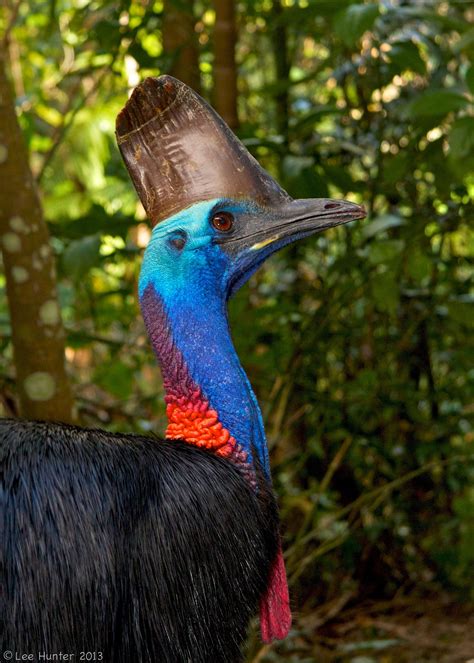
<point>431,103</point>
<point>429,15</point>
<point>107,33</point>
<point>384,251</point>
<point>461,149</point>
<point>293,166</point>
<point>144,59</point>
<point>385,291</point>
<point>308,184</point>
<point>309,120</point>
<point>95,221</point>
<point>341,178</point>
<point>469,78</point>
<point>466,43</point>
<point>351,23</point>
<point>462,312</point>
<point>395,167</point>
<point>461,138</point>
<point>88,147</point>
<point>117,378</point>
<point>81,255</point>
<point>406,55</point>
<point>382,223</point>
<point>419,264</point>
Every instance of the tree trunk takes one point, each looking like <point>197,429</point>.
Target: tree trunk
<point>179,41</point>
<point>37,331</point>
<point>225,70</point>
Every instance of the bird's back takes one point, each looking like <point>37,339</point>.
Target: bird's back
<point>135,548</point>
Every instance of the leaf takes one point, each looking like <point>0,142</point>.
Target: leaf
<point>144,59</point>
<point>384,251</point>
<point>462,312</point>
<point>89,150</point>
<point>466,43</point>
<point>293,166</point>
<point>437,103</point>
<point>419,265</point>
<point>341,178</point>
<point>364,384</point>
<point>427,15</point>
<point>385,291</point>
<point>405,55</point>
<point>394,167</point>
<point>95,221</point>
<point>461,138</point>
<point>351,23</point>
<point>382,223</point>
<point>461,149</point>
<point>107,32</point>
<point>308,184</point>
<point>469,78</point>
<point>81,255</point>
<point>116,378</point>
<point>311,118</point>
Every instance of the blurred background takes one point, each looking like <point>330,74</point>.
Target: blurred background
<point>358,342</point>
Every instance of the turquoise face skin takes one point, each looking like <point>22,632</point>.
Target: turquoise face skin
<point>174,270</point>
<point>194,276</point>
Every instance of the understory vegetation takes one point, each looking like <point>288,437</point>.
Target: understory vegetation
<point>358,341</point>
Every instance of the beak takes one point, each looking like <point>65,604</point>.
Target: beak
<point>305,217</point>
<point>269,230</point>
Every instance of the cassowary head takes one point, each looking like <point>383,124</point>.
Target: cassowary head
<point>217,214</point>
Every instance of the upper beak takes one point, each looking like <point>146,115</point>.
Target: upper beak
<point>300,218</point>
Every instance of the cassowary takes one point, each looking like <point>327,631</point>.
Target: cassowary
<point>141,549</point>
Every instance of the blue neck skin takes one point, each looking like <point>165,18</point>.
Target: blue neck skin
<point>194,301</point>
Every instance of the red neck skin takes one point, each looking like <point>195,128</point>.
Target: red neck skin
<point>192,418</point>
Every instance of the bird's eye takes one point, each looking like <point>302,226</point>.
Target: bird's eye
<point>178,241</point>
<point>223,221</point>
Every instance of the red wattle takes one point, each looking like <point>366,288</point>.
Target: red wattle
<point>275,614</point>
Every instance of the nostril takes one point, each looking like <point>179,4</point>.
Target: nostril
<point>331,205</point>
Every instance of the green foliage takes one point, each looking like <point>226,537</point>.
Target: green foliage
<point>359,342</point>
<point>351,23</point>
<point>435,103</point>
<point>80,255</point>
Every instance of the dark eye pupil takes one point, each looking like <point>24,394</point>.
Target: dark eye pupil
<point>223,221</point>
<point>178,242</point>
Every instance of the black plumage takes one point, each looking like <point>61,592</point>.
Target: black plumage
<point>113,579</point>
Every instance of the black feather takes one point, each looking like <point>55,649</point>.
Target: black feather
<point>139,548</point>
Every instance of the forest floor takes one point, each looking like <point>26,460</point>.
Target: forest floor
<point>406,630</point>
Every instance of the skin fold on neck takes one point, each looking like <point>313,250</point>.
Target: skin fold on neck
<point>209,399</point>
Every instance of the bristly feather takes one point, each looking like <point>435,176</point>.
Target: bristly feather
<point>165,561</point>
